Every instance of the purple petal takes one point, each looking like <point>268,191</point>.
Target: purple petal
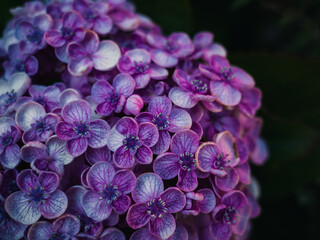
<point>187,180</point>
<point>229,181</point>
<point>185,141</point>
<point>220,231</point>
<point>29,113</point>
<point>40,231</point>
<point>76,51</point>
<point>134,104</point>
<point>103,24</point>
<point>144,117</point>
<point>76,111</point>
<point>21,209</point>
<point>241,80</point>
<point>184,43</point>
<point>163,227</point>
<point>26,179</point>
<point>107,55</point>
<point>226,143</point>
<point>209,200</point>
<point>23,29</point>
<point>244,173</point>
<point>167,165</point>
<point>139,56</point>
<point>241,225</point>
<point>98,155</point>
<point>100,91</point>
<point>68,95</point>
<point>65,131</point>
<point>31,65</point>
<point>143,155</point>
<point>77,146</point>
<point>54,38</point>
<point>137,216</point>
<point>260,153</point>
<point>99,130</point>
<point>112,234</point>
<point>141,80</point>
<point>57,150</point>
<point>206,155</point>
<point>235,199</point>
<point>10,157</point>
<point>99,175</point>
<point>179,120</point>
<point>124,84</point>
<point>115,139</point>
<point>160,105</point>
<point>163,143</point>
<point>72,19</point>
<point>43,21</point>
<point>125,180</point>
<point>122,158</point>
<point>163,58</point>
<point>149,186</point>
<point>105,108</point>
<point>148,134</point>
<point>203,40</point>
<point>49,181</point>
<point>55,205</point>
<point>225,93</point>
<point>122,204</point>
<point>67,224</point>
<point>182,98</point>
<point>80,67</point>
<point>125,65</point>
<point>174,199</point>
<point>143,233</point>
<point>127,125</point>
<point>215,49</point>
<point>157,72</point>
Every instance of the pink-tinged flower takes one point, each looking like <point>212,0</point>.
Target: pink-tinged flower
<point>20,62</point>
<point>227,81</point>
<point>91,53</point>
<point>112,98</point>
<point>191,90</point>
<point>180,161</point>
<point>131,142</point>
<point>38,197</point>
<point>79,131</point>
<point>64,227</point>
<point>68,29</point>
<point>31,33</point>
<point>154,206</point>
<point>51,156</point>
<point>203,201</point>
<point>95,15</point>
<point>167,51</point>
<point>11,90</point>
<point>9,149</point>
<point>108,191</point>
<point>167,119</point>
<point>134,105</point>
<point>137,63</point>
<point>220,159</point>
<point>37,125</point>
<point>230,216</point>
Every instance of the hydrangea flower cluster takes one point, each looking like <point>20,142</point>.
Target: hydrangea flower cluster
<point>111,130</point>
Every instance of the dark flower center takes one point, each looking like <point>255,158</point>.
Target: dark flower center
<point>35,36</point>
<point>113,98</point>
<point>220,161</point>
<point>90,15</point>
<point>230,215</point>
<point>40,126</point>
<point>6,139</point>
<point>131,142</point>
<point>199,86</point>
<point>141,67</point>
<point>156,208</point>
<point>40,100</point>
<point>171,46</point>
<point>19,66</point>
<point>161,121</point>
<point>109,193</point>
<point>67,32</point>
<point>82,129</point>
<point>37,195</point>
<point>226,74</point>
<point>10,97</point>
<point>187,161</point>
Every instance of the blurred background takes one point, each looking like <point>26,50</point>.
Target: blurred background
<point>278,42</point>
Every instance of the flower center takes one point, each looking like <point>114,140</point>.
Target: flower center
<point>40,126</point>
<point>141,67</point>
<point>220,162</point>
<point>161,121</point>
<point>230,215</point>
<point>82,129</point>
<point>37,195</point>
<point>156,208</point>
<point>67,32</point>
<point>187,161</point>
<point>199,86</point>
<point>35,36</point>
<point>131,142</point>
<point>40,100</point>
<point>113,98</point>
<point>226,74</point>
<point>109,193</point>
<point>6,139</point>
<point>10,97</point>
<point>19,66</point>
<point>90,15</point>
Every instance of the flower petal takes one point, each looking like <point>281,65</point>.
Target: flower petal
<point>134,104</point>
<point>229,181</point>
<point>57,150</point>
<point>49,181</point>
<point>77,146</point>
<point>124,84</point>
<point>241,80</point>
<point>127,125</point>
<point>187,180</point>
<point>122,204</point>
<point>55,205</point>
<point>65,131</point>
<point>182,98</point>
<point>80,67</point>
<point>209,200</point>
<point>163,227</point>
<point>41,231</point>
<point>107,55</point>
<point>29,113</point>
<point>179,120</point>
<point>115,139</point>
<point>26,179</point>
<point>175,199</point>
<point>163,143</point>
<point>185,141</point>
<point>220,231</point>
<point>67,224</point>
<point>235,199</point>
<point>143,155</point>
<point>143,233</point>
<point>157,72</point>
<point>148,133</point>
<point>137,216</point>
<point>205,156</point>
<point>163,58</point>
<point>103,24</point>
<point>99,130</point>
<point>122,158</point>
<point>167,165</point>
<point>100,175</point>
<point>76,111</point>
<point>225,93</point>
<point>125,180</point>
<point>10,157</point>
<point>98,155</point>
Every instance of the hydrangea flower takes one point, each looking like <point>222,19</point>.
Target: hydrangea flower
<point>37,125</point>
<point>220,159</point>
<point>131,142</point>
<point>79,131</point>
<point>9,149</point>
<point>180,161</point>
<point>108,191</point>
<point>65,227</point>
<point>112,98</point>
<point>154,206</point>
<point>38,197</point>
<point>91,53</point>
<point>143,233</point>
<point>167,119</point>
<point>137,62</point>
<point>230,216</point>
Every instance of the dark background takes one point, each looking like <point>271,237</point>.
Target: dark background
<point>278,42</point>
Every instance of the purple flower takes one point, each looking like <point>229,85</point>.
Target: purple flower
<point>37,125</point>
<point>9,149</point>
<point>9,228</point>
<point>108,191</point>
<point>11,90</point>
<point>191,90</point>
<point>95,14</point>
<point>31,33</point>
<point>112,98</point>
<point>68,29</point>
<point>132,141</point>
<point>20,62</point>
<point>169,50</point>
<point>250,102</point>
<point>65,227</point>
<point>124,19</point>
<point>155,206</point>
<point>230,216</point>
<point>227,81</point>
<point>137,63</point>
<point>38,197</point>
<point>167,119</point>
<point>180,161</point>
<point>51,156</point>
<point>220,159</point>
<point>91,53</point>
<point>9,183</point>
<point>112,233</point>
<point>79,131</point>
<point>94,155</point>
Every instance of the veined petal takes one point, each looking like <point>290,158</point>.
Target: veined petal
<point>225,93</point>
<point>185,141</point>
<point>179,120</point>
<point>137,216</point>
<point>99,130</point>
<point>163,227</point>
<point>160,105</point>
<point>187,180</point>
<point>76,111</point>
<point>174,198</point>
<point>182,98</point>
<point>55,205</point>
<point>100,175</point>
<point>29,113</point>
<point>167,165</point>
<point>107,55</point>
<point>125,180</point>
